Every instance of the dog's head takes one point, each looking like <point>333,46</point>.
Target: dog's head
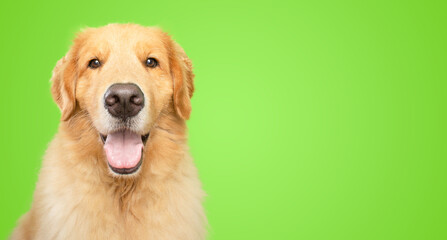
<point>123,76</point>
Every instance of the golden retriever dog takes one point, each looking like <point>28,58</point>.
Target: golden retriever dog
<point>119,166</point>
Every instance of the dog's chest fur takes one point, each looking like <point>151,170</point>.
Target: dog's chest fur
<point>74,202</point>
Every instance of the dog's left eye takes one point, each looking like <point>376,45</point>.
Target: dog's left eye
<point>94,63</point>
<point>151,62</point>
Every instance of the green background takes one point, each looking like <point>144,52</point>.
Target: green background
<point>311,119</point>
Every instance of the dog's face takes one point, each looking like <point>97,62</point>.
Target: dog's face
<point>124,77</point>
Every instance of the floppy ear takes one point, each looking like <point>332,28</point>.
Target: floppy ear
<point>63,86</point>
<point>181,72</point>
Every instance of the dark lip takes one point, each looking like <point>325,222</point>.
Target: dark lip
<point>126,171</point>
<point>143,138</point>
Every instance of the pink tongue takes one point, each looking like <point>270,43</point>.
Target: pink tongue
<point>123,149</point>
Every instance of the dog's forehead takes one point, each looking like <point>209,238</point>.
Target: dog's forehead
<point>120,37</point>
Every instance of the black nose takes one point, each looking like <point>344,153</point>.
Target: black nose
<point>124,100</point>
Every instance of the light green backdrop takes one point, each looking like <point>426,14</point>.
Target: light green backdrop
<point>311,119</point>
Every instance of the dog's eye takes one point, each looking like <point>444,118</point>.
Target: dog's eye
<point>94,63</point>
<point>151,62</point>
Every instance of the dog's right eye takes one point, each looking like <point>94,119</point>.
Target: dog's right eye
<point>94,63</point>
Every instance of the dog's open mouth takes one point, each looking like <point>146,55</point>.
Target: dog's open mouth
<point>124,150</point>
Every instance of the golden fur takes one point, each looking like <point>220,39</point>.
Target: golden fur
<point>77,197</point>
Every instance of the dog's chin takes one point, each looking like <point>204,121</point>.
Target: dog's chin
<point>124,152</point>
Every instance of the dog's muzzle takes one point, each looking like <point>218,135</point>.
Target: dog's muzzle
<point>123,146</point>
